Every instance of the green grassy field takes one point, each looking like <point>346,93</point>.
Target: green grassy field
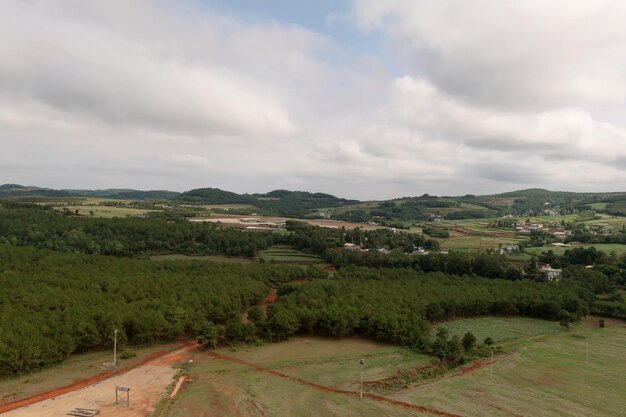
<point>287,254</point>
<point>602,247</point>
<point>76,367</point>
<point>546,376</point>
<point>500,328</point>
<point>543,373</point>
<point>222,388</point>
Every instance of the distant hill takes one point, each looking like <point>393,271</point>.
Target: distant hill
<point>277,202</point>
<point>16,190</point>
<point>215,196</point>
<point>288,203</point>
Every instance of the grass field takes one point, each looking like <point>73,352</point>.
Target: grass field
<point>602,247</point>
<point>544,373</point>
<point>76,367</point>
<point>547,376</point>
<point>222,388</point>
<point>500,329</point>
<point>210,258</point>
<point>287,254</point>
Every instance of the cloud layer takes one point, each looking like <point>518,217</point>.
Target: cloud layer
<point>478,97</point>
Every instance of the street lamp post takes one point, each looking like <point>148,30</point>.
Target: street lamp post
<point>362,363</point>
<point>115,348</point>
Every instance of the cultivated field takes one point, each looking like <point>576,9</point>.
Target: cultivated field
<point>287,254</point>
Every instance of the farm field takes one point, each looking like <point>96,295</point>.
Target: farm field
<point>602,247</point>
<point>608,222</point>
<point>287,254</point>
<point>469,242</point>
<point>546,376</point>
<point>74,368</point>
<point>242,221</point>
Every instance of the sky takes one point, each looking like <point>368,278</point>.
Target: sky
<point>367,99</point>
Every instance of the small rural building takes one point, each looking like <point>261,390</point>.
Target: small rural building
<point>552,274</point>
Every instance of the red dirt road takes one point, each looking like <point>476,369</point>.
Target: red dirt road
<point>323,388</point>
<point>82,383</point>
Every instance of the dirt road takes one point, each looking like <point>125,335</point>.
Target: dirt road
<point>147,383</point>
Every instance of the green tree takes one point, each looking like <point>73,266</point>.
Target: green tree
<point>565,319</point>
<point>208,335</point>
<point>469,341</point>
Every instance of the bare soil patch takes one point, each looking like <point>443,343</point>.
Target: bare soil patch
<point>147,379</point>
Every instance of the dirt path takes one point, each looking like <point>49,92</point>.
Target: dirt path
<point>323,388</point>
<point>271,298</point>
<point>147,379</point>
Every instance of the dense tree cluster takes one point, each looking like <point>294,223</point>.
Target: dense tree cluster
<point>397,305</point>
<point>54,304</point>
<point>42,227</point>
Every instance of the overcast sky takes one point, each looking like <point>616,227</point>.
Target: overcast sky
<point>366,99</point>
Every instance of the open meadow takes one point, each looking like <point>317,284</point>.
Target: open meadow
<point>542,371</point>
<point>546,375</point>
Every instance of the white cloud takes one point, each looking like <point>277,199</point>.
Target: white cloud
<point>485,96</point>
<point>529,54</point>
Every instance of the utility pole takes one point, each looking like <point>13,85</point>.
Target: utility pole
<point>491,366</point>
<point>361,362</point>
<point>115,348</point>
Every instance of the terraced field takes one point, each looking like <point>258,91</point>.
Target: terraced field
<point>287,254</point>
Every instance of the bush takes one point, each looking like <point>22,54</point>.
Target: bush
<point>128,354</point>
